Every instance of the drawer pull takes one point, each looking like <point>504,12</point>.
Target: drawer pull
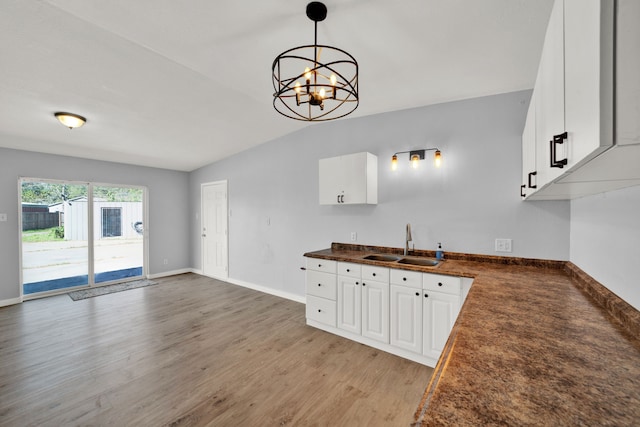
<point>374,274</point>
<point>319,265</point>
<point>319,311</point>
<point>439,283</point>
<point>348,270</point>
<point>319,284</point>
<point>404,278</point>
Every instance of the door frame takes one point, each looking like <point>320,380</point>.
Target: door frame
<point>226,218</point>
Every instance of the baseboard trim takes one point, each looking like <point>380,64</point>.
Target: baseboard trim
<point>10,301</point>
<point>267,290</point>
<point>171,273</point>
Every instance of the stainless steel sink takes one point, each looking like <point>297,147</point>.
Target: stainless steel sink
<point>427,262</point>
<point>381,257</point>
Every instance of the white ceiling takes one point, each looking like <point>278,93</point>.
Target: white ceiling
<point>181,84</point>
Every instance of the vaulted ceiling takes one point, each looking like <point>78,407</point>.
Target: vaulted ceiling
<point>179,85</point>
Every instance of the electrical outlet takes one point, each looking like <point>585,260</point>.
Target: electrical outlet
<point>503,245</point>
<point>354,236</point>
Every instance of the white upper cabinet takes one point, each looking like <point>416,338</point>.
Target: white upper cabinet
<point>349,179</point>
<point>572,121</point>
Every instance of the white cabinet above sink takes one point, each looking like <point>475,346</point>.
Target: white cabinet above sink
<point>349,179</point>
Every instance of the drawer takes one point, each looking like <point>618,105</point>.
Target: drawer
<point>321,310</point>
<point>317,264</point>
<point>379,274</point>
<point>349,269</point>
<point>441,283</point>
<point>412,279</point>
<point>321,284</point>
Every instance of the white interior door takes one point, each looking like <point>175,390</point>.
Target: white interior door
<point>214,230</point>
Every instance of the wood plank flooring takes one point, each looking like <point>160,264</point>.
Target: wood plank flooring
<point>192,351</point>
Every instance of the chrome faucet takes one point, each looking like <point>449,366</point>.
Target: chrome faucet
<point>407,239</point>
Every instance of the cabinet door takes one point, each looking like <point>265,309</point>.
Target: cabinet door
<point>349,304</point>
<point>439,314</point>
<point>375,310</point>
<point>529,174</point>
<point>406,318</point>
<point>331,177</point>
<point>588,67</point>
<point>550,96</point>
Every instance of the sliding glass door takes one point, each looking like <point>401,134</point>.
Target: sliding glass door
<point>117,232</point>
<point>79,234</point>
<point>54,256</point>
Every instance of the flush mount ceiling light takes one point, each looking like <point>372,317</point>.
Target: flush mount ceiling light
<point>70,120</point>
<point>415,156</point>
<point>315,82</point>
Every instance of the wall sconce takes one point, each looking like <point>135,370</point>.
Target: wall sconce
<point>415,156</point>
<point>70,120</point>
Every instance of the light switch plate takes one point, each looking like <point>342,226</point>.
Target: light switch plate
<point>3,217</point>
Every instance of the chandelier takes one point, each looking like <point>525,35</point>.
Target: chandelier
<point>315,82</point>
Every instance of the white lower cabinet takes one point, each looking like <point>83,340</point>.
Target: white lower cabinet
<point>439,312</point>
<point>406,318</point>
<point>349,304</point>
<point>407,313</point>
<point>440,307</point>
<point>375,310</point>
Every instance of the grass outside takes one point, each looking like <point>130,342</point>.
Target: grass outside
<point>52,234</point>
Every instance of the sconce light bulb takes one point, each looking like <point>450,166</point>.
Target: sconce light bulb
<point>394,162</point>
<point>414,161</point>
<point>438,158</point>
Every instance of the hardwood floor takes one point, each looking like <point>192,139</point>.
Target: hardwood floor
<point>192,351</point>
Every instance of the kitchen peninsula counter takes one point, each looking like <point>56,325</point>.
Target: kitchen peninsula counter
<point>536,342</point>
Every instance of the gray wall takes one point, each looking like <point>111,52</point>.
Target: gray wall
<point>605,240</point>
<point>470,201</point>
<point>168,201</point>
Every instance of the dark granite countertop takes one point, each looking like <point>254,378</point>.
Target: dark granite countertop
<point>536,343</point>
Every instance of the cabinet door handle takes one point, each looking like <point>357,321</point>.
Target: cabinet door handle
<point>342,198</point>
<point>534,173</point>
<point>417,294</point>
<point>357,283</point>
<point>557,139</point>
<point>319,284</point>
<point>338,198</point>
<point>319,311</point>
<point>426,295</point>
<point>364,284</point>
<point>348,270</point>
<point>522,191</point>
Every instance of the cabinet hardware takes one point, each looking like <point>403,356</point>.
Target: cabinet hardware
<point>521,191</point>
<point>534,173</point>
<point>357,283</point>
<point>404,278</point>
<point>364,284</point>
<point>426,295</point>
<point>303,268</point>
<point>319,311</point>
<point>417,294</point>
<point>439,283</point>
<point>340,198</point>
<point>319,284</point>
<point>374,274</point>
<point>348,270</point>
<point>557,139</point>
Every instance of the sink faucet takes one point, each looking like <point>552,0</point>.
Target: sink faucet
<point>407,239</point>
